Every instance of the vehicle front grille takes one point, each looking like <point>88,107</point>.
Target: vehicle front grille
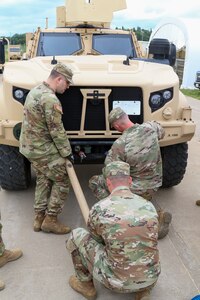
<point>94,119</point>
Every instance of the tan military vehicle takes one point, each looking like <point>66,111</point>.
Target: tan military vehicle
<point>109,71</point>
<point>14,52</point>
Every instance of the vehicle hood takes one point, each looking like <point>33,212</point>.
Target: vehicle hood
<point>102,70</point>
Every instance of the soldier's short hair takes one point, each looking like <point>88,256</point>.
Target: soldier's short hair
<point>116,168</point>
<point>115,114</point>
<point>63,70</point>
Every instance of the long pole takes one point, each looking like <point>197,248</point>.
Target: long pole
<point>77,190</point>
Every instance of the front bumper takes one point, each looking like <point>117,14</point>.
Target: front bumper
<point>9,132</point>
<point>175,132</point>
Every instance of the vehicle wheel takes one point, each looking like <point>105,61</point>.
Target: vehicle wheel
<point>174,160</point>
<point>15,169</point>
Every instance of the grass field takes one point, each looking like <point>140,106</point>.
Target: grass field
<point>191,93</point>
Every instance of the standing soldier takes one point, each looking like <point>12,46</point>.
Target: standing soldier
<point>44,142</point>
<point>7,256</point>
<point>139,147</point>
<point>119,249</point>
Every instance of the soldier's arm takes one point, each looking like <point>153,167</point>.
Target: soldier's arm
<point>53,115</point>
<point>158,128</point>
<point>93,225</point>
<point>117,151</point>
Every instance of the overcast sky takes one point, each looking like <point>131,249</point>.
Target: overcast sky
<point>20,16</point>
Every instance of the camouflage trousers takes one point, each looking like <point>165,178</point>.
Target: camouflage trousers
<point>89,259</point>
<point>52,184</point>
<point>2,246</point>
<point>98,186</point>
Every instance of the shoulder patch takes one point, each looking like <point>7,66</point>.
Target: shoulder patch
<point>58,108</point>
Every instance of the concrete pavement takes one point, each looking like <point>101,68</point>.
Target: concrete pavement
<point>43,272</point>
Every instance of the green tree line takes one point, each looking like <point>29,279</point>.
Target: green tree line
<point>142,34</point>
<point>17,39</point>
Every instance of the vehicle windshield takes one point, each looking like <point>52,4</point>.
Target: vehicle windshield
<point>62,43</point>
<point>114,44</point>
<point>54,43</point>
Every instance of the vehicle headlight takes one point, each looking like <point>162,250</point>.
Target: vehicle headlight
<point>156,100</point>
<point>18,94</point>
<point>167,94</point>
<point>159,98</point>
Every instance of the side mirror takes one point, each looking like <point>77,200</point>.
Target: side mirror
<point>172,54</point>
<point>159,48</point>
<point>162,49</point>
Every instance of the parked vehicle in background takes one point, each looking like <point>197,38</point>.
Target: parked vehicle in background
<point>10,53</point>
<point>14,52</point>
<point>109,71</point>
<point>197,82</point>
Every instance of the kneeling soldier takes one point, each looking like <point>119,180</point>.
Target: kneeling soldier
<point>119,249</point>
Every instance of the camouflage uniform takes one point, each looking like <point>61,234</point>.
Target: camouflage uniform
<point>45,143</point>
<point>139,147</point>
<point>120,247</point>
<point>2,246</point>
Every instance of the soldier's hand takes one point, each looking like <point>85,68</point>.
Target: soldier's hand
<point>71,158</point>
<point>82,155</point>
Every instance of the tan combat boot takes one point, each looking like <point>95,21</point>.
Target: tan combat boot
<point>164,219</point>
<point>39,218</point>
<point>10,255</point>
<point>86,288</point>
<point>198,202</point>
<point>51,224</point>
<point>2,285</point>
<point>144,295</point>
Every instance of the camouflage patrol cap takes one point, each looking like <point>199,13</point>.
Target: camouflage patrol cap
<point>64,70</point>
<point>115,114</point>
<point>116,168</point>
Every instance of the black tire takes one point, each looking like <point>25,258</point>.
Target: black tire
<point>174,160</point>
<point>15,169</point>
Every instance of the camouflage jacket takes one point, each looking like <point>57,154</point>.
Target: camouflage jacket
<point>139,147</point>
<point>127,225</point>
<point>42,131</point>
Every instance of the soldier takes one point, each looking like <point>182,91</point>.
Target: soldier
<point>44,142</point>
<point>119,249</point>
<point>7,256</point>
<point>139,147</point>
